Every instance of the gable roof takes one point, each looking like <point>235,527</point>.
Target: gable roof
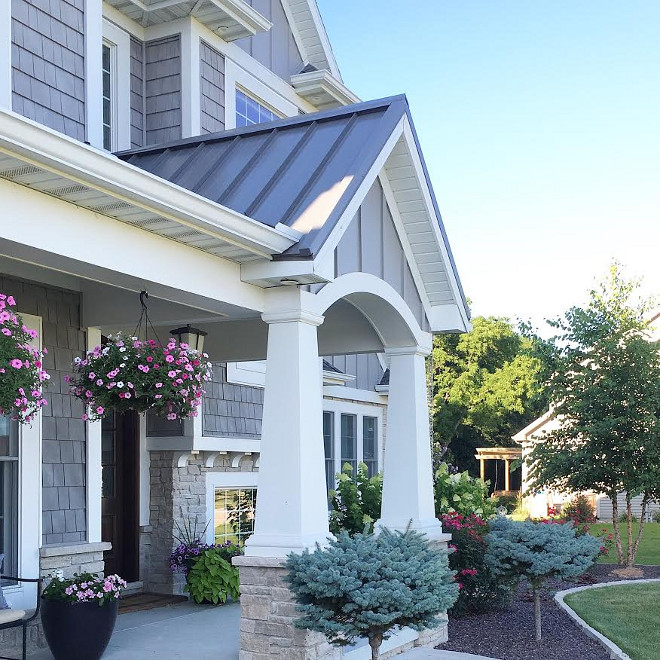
<point>305,172</point>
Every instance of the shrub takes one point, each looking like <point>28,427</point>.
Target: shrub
<point>365,585</point>
<point>538,551</point>
<point>356,501</point>
<point>212,578</point>
<point>579,510</point>
<point>509,502</point>
<point>461,493</point>
<point>623,518</point>
<point>480,589</point>
<point>656,516</point>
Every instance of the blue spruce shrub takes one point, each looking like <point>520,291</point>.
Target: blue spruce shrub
<point>365,585</point>
<point>538,551</point>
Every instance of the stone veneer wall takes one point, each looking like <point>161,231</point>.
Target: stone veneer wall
<point>178,495</point>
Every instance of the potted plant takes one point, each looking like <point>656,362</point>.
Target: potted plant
<point>129,374</point>
<point>21,373</point>
<point>79,614</point>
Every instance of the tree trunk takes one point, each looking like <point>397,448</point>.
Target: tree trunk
<point>537,612</point>
<point>630,558</point>
<point>642,520</point>
<point>375,641</point>
<point>617,530</point>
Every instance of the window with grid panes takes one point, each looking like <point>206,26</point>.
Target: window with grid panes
<point>250,112</point>
<point>233,517</point>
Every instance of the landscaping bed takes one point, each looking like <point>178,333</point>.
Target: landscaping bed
<point>509,634</point>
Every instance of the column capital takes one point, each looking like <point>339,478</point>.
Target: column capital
<point>408,350</point>
<point>292,316</point>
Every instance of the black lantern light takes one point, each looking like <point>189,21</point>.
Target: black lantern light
<point>194,337</point>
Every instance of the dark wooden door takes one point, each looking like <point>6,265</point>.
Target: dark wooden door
<point>120,493</point>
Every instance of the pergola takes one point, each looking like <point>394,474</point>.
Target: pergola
<point>506,454</point>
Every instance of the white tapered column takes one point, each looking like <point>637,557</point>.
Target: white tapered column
<point>292,509</point>
<point>407,479</point>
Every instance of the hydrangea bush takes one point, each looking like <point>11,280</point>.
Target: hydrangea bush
<point>130,374</point>
<point>21,372</point>
<point>480,589</point>
<point>461,493</point>
<point>365,585</point>
<point>356,502</point>
<point>84,588</point>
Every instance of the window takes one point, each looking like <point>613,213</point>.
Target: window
<point>108,96</point>
<point>9,495</point>
<point>370,444</point>
<point>349,441</point>
<point>249,111</point>
<point>329,445</point>
<point>233,514</point>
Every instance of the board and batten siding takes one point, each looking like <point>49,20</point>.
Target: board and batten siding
<point>371,244</point>
<point>48,63</point>
<point>63,429</point>
<point>365,367</point>
<point>137,93</point>
<point>212,89</point>
<point>163,90</point>
<point>276,49</point>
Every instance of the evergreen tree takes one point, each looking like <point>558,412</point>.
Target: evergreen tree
<point>365,585</point>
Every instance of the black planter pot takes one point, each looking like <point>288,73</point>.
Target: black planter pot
<point>78,631</point>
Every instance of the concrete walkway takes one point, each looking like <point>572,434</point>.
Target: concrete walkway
<point>201,632</point>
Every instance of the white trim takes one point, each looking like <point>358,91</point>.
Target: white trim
<point>121,84</point>
<point>224,480</point>
<point>191,118</point>
<point>353,394</point>
<point>93,461</point>
<point>93,77</point>
<point>23,595</point>
<point>238,77</point>
<point>247,373</point>
<point>360,410</point>
<point>5,57</point>
<point>323,89</point>
<point>144,487</point>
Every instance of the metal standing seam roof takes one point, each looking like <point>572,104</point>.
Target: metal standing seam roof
<point>301,171</point>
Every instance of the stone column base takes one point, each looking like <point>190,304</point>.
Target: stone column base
<point>267,614</point>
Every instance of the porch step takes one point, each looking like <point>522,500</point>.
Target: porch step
<point>141,601</point>
<point>133,588</point>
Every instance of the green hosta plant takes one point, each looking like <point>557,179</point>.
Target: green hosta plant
<point>212,578</point>
<point>538,551</point>
<point>356,501</point>
<point>461,493</point>
<point>365,585</point>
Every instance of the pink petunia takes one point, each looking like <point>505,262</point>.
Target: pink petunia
<point>10,301</point>
<point>16,363</point>
<point>6,332</point>
<point>172,373</point>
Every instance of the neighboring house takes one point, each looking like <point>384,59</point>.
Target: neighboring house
<point>252,196</point>
<point>538,504</point>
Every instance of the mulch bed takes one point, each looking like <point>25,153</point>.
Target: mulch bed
<point>509,634</point>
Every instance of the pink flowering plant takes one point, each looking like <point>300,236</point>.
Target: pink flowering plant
<point>84,588</point>
<point>129,374</point>
<point>21,372</point>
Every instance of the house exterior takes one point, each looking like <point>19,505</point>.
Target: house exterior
<point>209,153</point>
<point>539,503</point>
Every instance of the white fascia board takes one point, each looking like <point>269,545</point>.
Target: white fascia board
<point>353,394</point>
<point>428,201</point>
<point>524,435</point>
<point>447,319</point>
<point>322,36</point>
<point>57,153</point>
<point>316,82</point>
<point>269,273</point>
<point>213,444</point>
<point>328,248</point>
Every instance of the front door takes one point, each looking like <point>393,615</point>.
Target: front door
<point>120,493</point>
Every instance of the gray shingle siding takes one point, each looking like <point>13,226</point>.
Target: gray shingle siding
<point>212,89</point>
<point>163,90</point>
<point>232,411</point>
<point>63,430</point>
<point>137,93</point>
<point>276,49</point>
<point>48,63</point>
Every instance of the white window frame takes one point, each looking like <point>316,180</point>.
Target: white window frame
<point>120,85</point>
<point>238,78</point>
<point>224,480</point>
<point>23,595</point>
<point>338,408</point>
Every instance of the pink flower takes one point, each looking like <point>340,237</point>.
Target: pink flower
<point>16,363</point>
<point>99,382</point>
<point>10,301</point>
<point>100,410</point>
<point>6,332</point>
<point>169,358</point>
<point>149,358</point>
<point>159,385</point>
<point>171,374</point>
<point>85,417</point>
<point>171,416</point>
<point>158,396</point>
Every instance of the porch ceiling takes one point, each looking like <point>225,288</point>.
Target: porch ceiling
<point>49,162</point>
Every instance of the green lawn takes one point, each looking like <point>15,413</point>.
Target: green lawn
<point>628,615</point>
<point>649,546</point>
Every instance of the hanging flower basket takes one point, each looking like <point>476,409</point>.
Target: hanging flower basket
<point>21,372</point>
<point>130,374</point>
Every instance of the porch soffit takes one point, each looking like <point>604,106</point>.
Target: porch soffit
<point>47,161</point>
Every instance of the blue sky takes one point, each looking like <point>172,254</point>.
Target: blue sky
<point>540,125</point>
